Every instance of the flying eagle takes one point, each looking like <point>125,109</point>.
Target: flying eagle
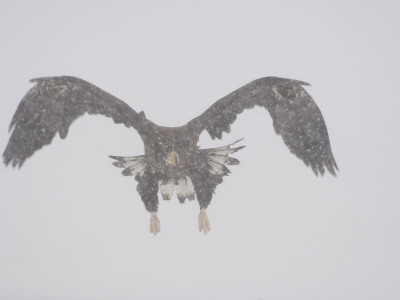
<point>172,160</point>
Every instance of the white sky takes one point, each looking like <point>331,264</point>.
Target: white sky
<point>71,227</point>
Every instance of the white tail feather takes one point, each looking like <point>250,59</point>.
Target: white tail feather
<point>167,189</point>
<point>183,187</point>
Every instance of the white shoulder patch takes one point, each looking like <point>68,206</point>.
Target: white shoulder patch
<point>218,159</point>
<point>133,164</point>
<point>217,168</point>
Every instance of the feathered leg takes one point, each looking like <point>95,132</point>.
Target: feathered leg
<point>211,166</point>
<point>204,185</point>
<point>148,189</point>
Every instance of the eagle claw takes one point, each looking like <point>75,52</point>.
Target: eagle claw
<point>154,224</point>
<point>204,224</point>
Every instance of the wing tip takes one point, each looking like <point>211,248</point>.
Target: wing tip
<point>38,79</point>
<point>281,80</point>
<point>239,140</point>
<point>303,83</point>
<point>320,169</point>
<point>14,162</point>
<point>11,126</point>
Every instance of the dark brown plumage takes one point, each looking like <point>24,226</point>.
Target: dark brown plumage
<point>172,159</point>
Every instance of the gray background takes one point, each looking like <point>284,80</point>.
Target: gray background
<point>71,227</point>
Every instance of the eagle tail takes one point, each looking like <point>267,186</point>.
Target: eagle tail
<point>183,187</point>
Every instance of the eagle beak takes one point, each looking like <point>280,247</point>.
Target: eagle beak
<point>173,159</point>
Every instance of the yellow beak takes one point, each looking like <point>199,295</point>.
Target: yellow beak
<point>173,159</point>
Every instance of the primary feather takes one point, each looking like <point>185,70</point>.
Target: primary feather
<point>51,106</point>
<point>295,117</point>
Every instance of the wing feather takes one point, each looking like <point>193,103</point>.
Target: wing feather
<point>295,115</point>
<point>51,106</point>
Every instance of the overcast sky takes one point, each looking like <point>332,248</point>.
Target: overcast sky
<point>72,227</point>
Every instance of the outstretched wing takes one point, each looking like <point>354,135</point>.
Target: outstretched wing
<point>51,106</point>
<point>295,117</point>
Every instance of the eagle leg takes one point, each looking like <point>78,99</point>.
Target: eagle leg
<point>154,223</point>
<point>204,224</point>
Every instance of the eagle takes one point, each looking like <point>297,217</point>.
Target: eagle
<point>172,159</point>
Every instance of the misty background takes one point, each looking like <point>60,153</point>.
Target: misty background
<point>72,227</point>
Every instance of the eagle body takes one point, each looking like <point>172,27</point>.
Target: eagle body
<point>160,141</point>
<point>190,171</point>
<point>172,161</point>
